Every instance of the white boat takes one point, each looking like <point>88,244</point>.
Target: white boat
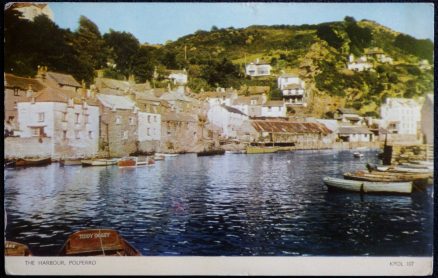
<point>368,187</point>
<point>99,162</point>
<point>358,154</point>
<point>166,154</point>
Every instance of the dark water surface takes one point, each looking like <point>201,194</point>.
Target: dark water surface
<point>263,205</point>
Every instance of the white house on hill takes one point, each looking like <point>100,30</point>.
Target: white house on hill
<point>401,116</point>
<point>258,68</point>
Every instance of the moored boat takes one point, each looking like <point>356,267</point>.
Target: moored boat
<point>70,162</point>
<point>159,157</point>
<point>32,162</point>
<point>415,166</point>
<point>99,162</point>
<point>129,161</point>
<point>16,249</point>
<point>256,149</point>
<point>368,187</point>
<point>211,152</point>
<point>403,169</point>
<point>167,154</point>
<point>387,177</point>
<point>97,242</point>
<point>422,162</point>
<point>358,154</point>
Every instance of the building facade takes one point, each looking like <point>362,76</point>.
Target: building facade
<point>401,116</point>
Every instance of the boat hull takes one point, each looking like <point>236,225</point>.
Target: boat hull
<point>210,153</point>
<point>32,162</point>
<point>387,177</point>
<point>257,150</point>
<point>70,162</point>
<point>97,242</point>
<point>369,187</point>
<point>99,162</point>
<point>16,249</point>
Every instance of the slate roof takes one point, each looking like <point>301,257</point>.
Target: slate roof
<point>116,102</point>
<point>233,110</point>
<point>347,111</point>
<point>13,81</point>
<point>148,96</point>
<point>115,84</point>
<point>50,94</point>
<point>289,127</point>
<point>353,130</point>
<point>63,79</point>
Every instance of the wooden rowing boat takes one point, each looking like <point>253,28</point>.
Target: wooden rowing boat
<point>422,162</point>
<point>415,166</point>
<point>97,242</point>
<point>32,162</point>
<point>368,187</point>
<point>16,249</point>
<point>99,162</point>
<point>399,169</point>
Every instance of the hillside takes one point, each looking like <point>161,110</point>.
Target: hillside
<point>319,54</point>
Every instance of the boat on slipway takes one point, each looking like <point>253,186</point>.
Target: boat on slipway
<point>365,187</point>
<point>97,242</point>
<point>99,162</point>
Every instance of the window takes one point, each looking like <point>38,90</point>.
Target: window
<point>148,131</point>
<point>16,92</point>
<point>64,134</point>
<point>149,118</point>
<point>77,134</point>
<point>77,117</point>
<point>41,117</point>
<point>131,121</point>
<point>125,134</point>
<point>90,134</point>
<point>35,132</point>
<point>118,120</point>
<point>86,119</point>
<point>11,118</point>
<point>155,118</point>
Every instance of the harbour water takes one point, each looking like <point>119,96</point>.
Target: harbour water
<point>233,205</point>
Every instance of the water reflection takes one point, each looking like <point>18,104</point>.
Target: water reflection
<point>270,204</point>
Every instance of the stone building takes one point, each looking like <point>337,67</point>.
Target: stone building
<point>118,125</point>
<point>180,132</point>
<point>31,10</point>
<point>228,120</point>
<point>427,125</point>
<point>17,89</point>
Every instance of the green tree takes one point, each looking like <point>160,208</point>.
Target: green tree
<point>143,64</point>
<point>123,48</point>
<point>327,33</point>
<point>91,47</point>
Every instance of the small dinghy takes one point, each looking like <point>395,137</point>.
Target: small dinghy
<point>97,242</point>
<point>358,154</point>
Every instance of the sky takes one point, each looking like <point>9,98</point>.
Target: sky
<point>155,23</point>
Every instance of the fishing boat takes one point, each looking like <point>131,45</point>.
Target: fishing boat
<point>368,187</point>
<point>235,152</point>
<point>97,242</point>
<point>358,154</point>
<point>99,162</point>
<point>70,162</point>
<point>211,152</point>
<point>256,149</point>
<point>32,162</point>
<point>16,249</point>
<point>387,177</point>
